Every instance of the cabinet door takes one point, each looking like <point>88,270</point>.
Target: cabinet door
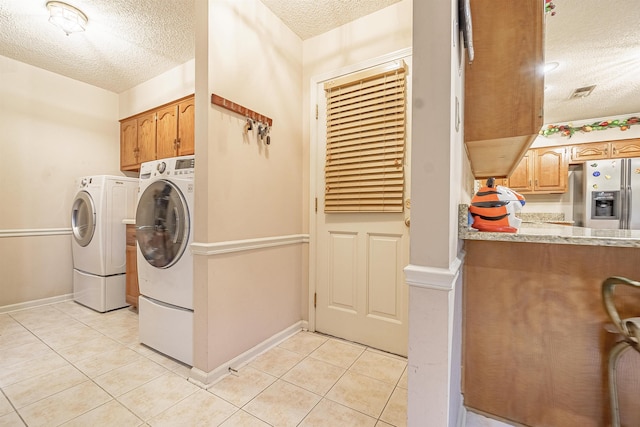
<point>146,138</point>
<point>167,132</point>
<point>592,151</point>
<point>626,148</point>
<point>521,180</point>
<point>551,170</point>
<point>129,144</point>
<point>186,130</point>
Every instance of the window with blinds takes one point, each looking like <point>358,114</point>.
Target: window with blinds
<point>364,166</point>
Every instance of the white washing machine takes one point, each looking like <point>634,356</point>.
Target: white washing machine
<point>98,244</point>
<point>164,231</point>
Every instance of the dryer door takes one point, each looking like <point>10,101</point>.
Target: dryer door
<point>162,224</point>
<point>83,218</point>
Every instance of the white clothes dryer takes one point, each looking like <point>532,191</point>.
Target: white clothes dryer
<point>164,231</point>
<point>98,245</point>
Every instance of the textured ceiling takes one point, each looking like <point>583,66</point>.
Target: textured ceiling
<point>308,18</point>
<point>126,43</point>
<point>595,43</point>
<point>130,41</point>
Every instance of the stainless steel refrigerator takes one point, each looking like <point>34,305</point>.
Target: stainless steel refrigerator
<point>612,194</point>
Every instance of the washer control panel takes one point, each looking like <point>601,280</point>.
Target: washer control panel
<point>183,167</point>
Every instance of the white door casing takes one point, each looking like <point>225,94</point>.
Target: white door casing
<point>358,258</point>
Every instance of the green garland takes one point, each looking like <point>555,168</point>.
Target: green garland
<point>549,6</point>
<point>568,130</point>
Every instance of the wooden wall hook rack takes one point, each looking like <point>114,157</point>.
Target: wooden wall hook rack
<point>237,108</point>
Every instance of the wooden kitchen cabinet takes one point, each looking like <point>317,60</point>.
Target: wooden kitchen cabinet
<point>521,180</point>
<point>535,346</point>
<point>146,138</point>
<point>137,141</point>
<point>605,150</point>
<point>186,127</point>
<point>129,144</point>
<point>541,170</point>
<point>625,148</point>
<point>504,85</point>
<point>591,151</point>
<point>132,290</point>
<point>166,131</point>
<point>175,129</point>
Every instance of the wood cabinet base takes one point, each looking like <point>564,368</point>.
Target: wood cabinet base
<point>535,345</point>
<point>132,291</point>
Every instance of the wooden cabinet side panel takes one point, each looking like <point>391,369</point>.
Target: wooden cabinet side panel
<point>147,137</point>
<point>128,144</point>
<point>535,347</point>
<point>166,132</point>
<point>504,84</point>
<point>186,127</point>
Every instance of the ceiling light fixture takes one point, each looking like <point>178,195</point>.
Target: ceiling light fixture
<point>550,66</point>
<point>66,17</point>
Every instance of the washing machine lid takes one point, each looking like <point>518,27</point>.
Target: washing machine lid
<point>83,218</point>
<point>162,224</point>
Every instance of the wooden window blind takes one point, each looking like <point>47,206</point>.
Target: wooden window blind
<point>364,165</point>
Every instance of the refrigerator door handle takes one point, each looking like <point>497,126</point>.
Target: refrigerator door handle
<point>624,211</point>
<point>625,193</point>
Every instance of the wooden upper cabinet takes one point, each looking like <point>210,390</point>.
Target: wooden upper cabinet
<point>625,148</point>
<point>551,170</point>
<point>616,149</point>
<point>521,180</point>
<point>186,127</point>
<point>504,84</point>
<point>129,144</point>
<point>137,141</point>
<point>591,151</point>
<point>166,131</point>
<point>541,170</point>
<point>175,129</point>
<point>146,138</point>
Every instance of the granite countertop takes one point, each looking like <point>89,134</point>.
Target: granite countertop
<point>545,232</point>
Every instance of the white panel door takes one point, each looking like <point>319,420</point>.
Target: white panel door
<point>360,290</point>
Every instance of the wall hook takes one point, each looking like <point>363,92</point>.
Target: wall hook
<point>248,126</point>
<point>266,133</point>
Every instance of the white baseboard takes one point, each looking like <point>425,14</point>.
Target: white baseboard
<point>35,303</point>
<point>207,379</point>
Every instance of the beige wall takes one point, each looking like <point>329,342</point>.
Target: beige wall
<point>166,87</point>
<point>54,129</point>
<point>250,191</point>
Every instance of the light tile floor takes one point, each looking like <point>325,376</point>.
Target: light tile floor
<point>64,364</point>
